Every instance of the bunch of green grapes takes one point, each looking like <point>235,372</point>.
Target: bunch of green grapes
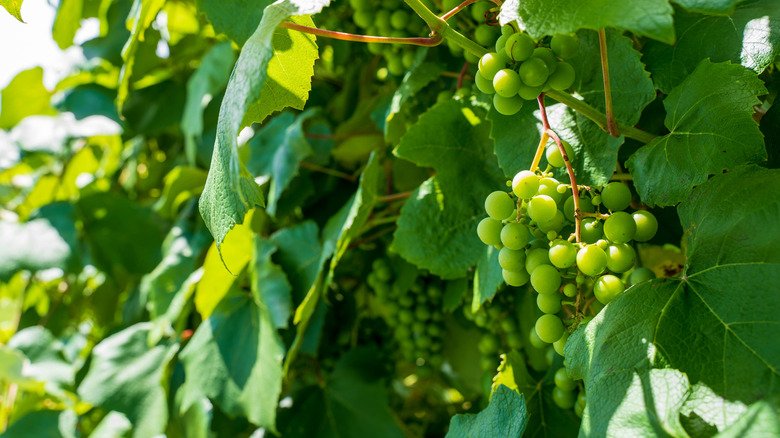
<point>474,25</point>
<point>389,18</point>
<point>413,313</point>
<point>519,70</point>
<point>566,395</point>
<point>501,331</point>
<point>532,226</point>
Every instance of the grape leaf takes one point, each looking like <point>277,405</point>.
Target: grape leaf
<point>269,283</point>
<point>655,324</point>
<point>113,425</point>
<point>714,7</point>
<point>14,7</point>
<point>289,72</point>
<point>45,423</point>
<point>487,277</point>
<point>67,22</point>
<point>126,375</point>
<point>298,254</point>
<point>235,18</point>
<point>453,139</point>
<point>750,37</point>
<point>276,153</point>
<point>48,362</point>
<point>235,358</point>
<point>182,183</point>
<point>208,80</point>
<point>352,402</point>
<point>712,129</point>
<point>652,18</point>
<point>140,18</point>
<point>505,416</point>
<point>230,190</point>
<point>419,76</point>
<point>24,96</point>
<point>762,419</point>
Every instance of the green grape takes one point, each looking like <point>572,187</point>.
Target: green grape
<point>592,230</point>
<point>488,344</point>
<point>507,30</point>
<point>488,363</point>
<point>448,5</point>
<point>434,291</point>
<point>499,205</point>
<point>382,20</point>
<point>525,184</point>
<point>480,320</point>
<point>549,357</point>
<point>535,258</point>
<point>542,208</point>
<point>585,206</point>
<point>596,200</point>
<point>406,316</point>
<point>591,260</point>
<point>422,313</point>
<point>560,343</point>
<point>395,65</point>
<point>529,93</point>
<point>620,257</point>
<point>489,231</point>
<point>360,5</point>
<point>403,332</point>
<point>616,196</point>
<point>607,287</point>
<point>547,56</point>
<point>422,341</point>
<point>563,76</point>
<point>533,72</point>
<point>511,260</point>
<point>490,64</point>
<point>478,11</point>
<point>564,381</point>
<point>501,42</point>
<point>578,410</point>
<point>418,327</point>
<point>563,254</point>
<point>436,360</point>
<point>620,227</point>
<point>434,331</point>
<point>582,399</point>
<point>646,225</point>
<point>603,244</point>
<point>515,279</point>
<point>485,35</point>
<point>639,275</point>
<point>563,399</point>
<point>508,325</point>
<point>549,303</point>
<point>565,45</point>
<point>484,85</point>
<point>535,340</point>
<point>549,328</point>
<point>555,224</point>
<point>546,279</point>
<point>408,59</point>
<point>363,19</point>
<point>470,58</point>
<point>507,105</point>
<point>549,186</point>
<point>506,82</point>
<point>554,156</point>
<point>570,290</point>
<point>519,47</point>
<point>494,312</point>
<point>514,340</point>
<point>551,235</point>
<point>391,4</point>
<point>406,301</point>
<point>515,236</point>
<point>400,19</point>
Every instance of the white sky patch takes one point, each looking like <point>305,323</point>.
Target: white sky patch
<point>27,45</point>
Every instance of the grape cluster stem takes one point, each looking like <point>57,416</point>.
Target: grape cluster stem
<point>433,40</point>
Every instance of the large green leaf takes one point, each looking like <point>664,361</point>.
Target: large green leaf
<point>269,283</point>
<point>141,17</point>
<point>299,255</point>
<point>751,37</point>
<point>126,375</point>
<point>235,18</point>
<point>230,190</point>
<point>208,80</point>
<point>24,96</point>
<point>419,76</point>
<point>652,18</point>
<point>235,359</point>
<point>289,72</point>
<point>453,139</point>
<point>721,313</point>
<point>505,416</point>
<point>712,129</point>
<point>276,153</point>
<point>44,424</point>
<point>48,362</point>
<point>351,403</point>
<point>488,277</point>
<point>67,22</point>
<point>14,7</point>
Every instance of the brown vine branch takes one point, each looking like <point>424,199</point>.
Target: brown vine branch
<point>574,189</point>
<point>394,196</point>
<point>612,125</point>
<point>344,36</point>
<point>462,74</point>
<point>457,9</point>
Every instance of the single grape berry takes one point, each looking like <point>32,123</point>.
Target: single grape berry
<point>533,72</point>
<point>525,184</point>
<point>507,105</point>
<point>490,64</point>
<point>563,254</point>
<point>535,258</point>
<point>563,399</point>
<point>570,290</point>
<point>620,227</point>
<point>592,230</point>
<point>535,340</point>
<point>565,45</point>
<point>563,76</point>
<point>400,19</point>
<point>516,279</point>
<point>639,275</point>
<point>547,56</point>
<point>515,236</point>
<point>484,85</point>
<point>591,260</point>
<point>549,303</point>
<point>511,259</point>
<point>499,205</point>
<point>519,47</point>
<point>484,35</point>
<point>529,93</point>
<point>545,279</point>
<point>542,208</point>
<point>549,328</point>
<point>489,231</point>
<point>564,381</point>
<point>506,82</point>
<point>553,154</point>
<point>560,343</point>
<point>616,196</point>
<point>646,225</point>
<point>607,287</point>
<point>620,257</point>
<point>501,42</point>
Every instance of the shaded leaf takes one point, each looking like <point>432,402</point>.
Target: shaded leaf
<point>488,277</point>
<point>269,283</point>
<point>505,416</point>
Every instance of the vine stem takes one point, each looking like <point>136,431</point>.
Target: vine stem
<point>462,74</point>
<point>612,125</point>
<point>394,196</point>
<point>540,150</point>
<point>597,117</point>
<point>332,172</point>
<point>344,36</point>
<point>574,189</point>
<point>457,9</point>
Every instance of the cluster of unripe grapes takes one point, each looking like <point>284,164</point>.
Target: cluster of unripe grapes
<point>519,70</point>
<point>532,227</point>
<point>476,28</point>
<point>565,394</point>
<point>414,314</point>
<point>501,329</point>
<point>390,19</point>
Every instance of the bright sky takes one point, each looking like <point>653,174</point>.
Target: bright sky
<point>29,44</point>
